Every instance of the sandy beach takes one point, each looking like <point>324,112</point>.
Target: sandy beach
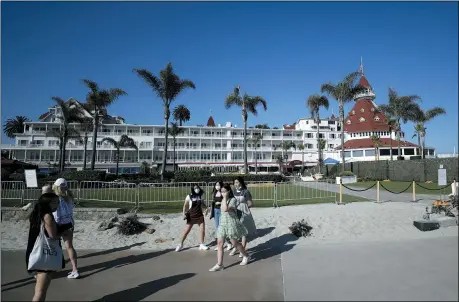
<point>331,224</point>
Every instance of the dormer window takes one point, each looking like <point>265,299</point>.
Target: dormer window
<point>362,110</point>
<point>348,122</point>
<point>353,112</point>
<point>377,118</point>
<point>362,119</point>
<point>372,109</point>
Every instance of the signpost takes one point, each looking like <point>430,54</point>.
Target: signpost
<point>441,180</point>
<point>31,178</point>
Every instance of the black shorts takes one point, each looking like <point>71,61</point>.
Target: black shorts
<point>61,228</point>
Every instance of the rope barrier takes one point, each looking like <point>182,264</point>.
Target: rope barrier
<point>356,190</point>
<point>438,189</point>
<point>381,184</point>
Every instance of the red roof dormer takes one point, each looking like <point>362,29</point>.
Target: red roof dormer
<point>210,122</point>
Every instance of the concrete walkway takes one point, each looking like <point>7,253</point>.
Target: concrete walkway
<point>410,270</point>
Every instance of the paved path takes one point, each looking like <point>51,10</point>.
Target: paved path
<point>409,270</point>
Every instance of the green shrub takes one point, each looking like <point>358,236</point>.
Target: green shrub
<point>346,173</point>
<point>415,157</point>
<point>229,178</point>
<point>85,175</point>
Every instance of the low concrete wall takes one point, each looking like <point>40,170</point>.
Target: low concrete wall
<point>10,213</point>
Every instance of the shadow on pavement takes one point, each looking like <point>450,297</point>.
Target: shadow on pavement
<point>96,268</point>
<point>105,252</point>
<point>144,290</point>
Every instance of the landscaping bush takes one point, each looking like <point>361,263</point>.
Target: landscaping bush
<point>346,173</point>
<point>85,175</point>
<point>300,229</point>
<point>230,178</point>
<point>131,226</point>
<point>415,157</point>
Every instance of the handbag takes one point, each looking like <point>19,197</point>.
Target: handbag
<point>46,254</point>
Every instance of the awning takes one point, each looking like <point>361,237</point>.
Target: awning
<point>330,161</point>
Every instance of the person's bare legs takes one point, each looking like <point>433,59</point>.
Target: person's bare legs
<point>185,233</point>
<point>239,247</point>
<point>68,241</point>
<point>202,229</point>
<point>41,286</point>
<point>220,242</point>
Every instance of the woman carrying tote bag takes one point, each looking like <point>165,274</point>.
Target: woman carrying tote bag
<point>44,254</point>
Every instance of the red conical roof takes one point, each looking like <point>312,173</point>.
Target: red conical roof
<point>210,122</point>
<point>364,82</point>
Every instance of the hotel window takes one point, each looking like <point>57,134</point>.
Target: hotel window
<point>330,146</point>
<point>362,110</point>
<point>372,109</point>
<point>362,119</point>
<point>348,122</point>
<point>377,118</point>
<point>353,112</point>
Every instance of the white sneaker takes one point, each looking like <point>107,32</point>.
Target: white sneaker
<point>216,268</point>
<point>203,247</point>
<point>240,256</point>
<point>73,275</point>
<point>229,246</point>
<point>216,248</point>
<point>233,252</point>
<point>179,248</point>
<point>245,260</point>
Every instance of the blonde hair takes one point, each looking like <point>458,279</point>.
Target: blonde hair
<point>63,192</point>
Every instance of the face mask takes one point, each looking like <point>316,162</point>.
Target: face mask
<point>197,191</point>
<point>217,187</point>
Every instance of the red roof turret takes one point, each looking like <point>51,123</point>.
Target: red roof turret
<point>210,122</point>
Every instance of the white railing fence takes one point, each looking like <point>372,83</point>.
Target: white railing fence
<point>99,193</point>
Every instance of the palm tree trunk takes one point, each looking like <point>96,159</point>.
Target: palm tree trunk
<point>117,161</point>
<point>64,143</point>
<point>318,139</point>
<point>166,125</point>
<point>180,122</point>
<point>341,116</point>
<point>390,140</point>
<point>256,162</point>
<point>423,146</point>
<point>60,154</point>
<point>174,154</point>
<point>94,141</point>
<point>85,149</point>
<point>398,140</point>
<point>302,162</point>
<point>246,166</point>
<point>419,143</point>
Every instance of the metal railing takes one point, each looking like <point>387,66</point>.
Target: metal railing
<point>15,193</point>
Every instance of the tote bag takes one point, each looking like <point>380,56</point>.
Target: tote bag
<point>46,254</point>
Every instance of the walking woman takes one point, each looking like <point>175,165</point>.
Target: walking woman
<point>230,227</point>
<point>244,203</point>
<point>42,213</point>
<point>215,211</point>
<point>194,215</point>
<point>65,223</point>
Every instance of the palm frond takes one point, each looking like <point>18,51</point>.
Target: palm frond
<point>174,130</point>
<point>433,113</point>
<point>127,142</point>
<point>181,113</point>
<point>252,102</point>
<point>329,89</point>
<point>13,126</point>
<point>151,80</point>
<point>111,141</point>
<point>233,99</point>
<point>91,85</point>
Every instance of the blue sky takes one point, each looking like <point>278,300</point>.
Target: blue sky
<point>281,51</point>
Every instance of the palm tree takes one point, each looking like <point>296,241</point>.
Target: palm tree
<point>301,148</point>
<point>280,160</point>
<point>402,109</point>
<point>422,117</point>
<point>174,131</point>
<point>124,142</point>
<point>314,103</point>
<point>63,135</point>
<point>13,126</point>
<point>343,92</point>
<point>247,104</point>
<point>285,145</point>
<point>255,139</point>
<point>98,100</point>
<point>86,126</point>
<point>321,146</point>
<point>392,124</point>
<point>377,144</point>
<point>168,85</point>
<point>67,115</point>
<point>181,114</point>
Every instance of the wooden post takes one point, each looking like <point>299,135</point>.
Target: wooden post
<point>414,191</point>
<point>340,191</point>
<point>454,190</point>
<point>377,191</point>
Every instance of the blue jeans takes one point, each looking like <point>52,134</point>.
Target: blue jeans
<point>217,217</point>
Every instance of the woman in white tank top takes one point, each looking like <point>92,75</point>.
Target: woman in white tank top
<point>65,223</point>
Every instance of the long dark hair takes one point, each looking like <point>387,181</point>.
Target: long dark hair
<point>227,187</point>
<point>215,190</point>
<point>41,207</point>
<point>241,181</point>
<point>193,193</point>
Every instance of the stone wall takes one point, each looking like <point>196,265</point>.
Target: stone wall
<point>406,170</point>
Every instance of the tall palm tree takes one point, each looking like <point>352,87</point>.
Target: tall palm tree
<point>280,160</point>
<point>13,126</point>
<point>314,103</point>
<point>68,114</point>
<point>376,144</point>
<point>286,145</point>
<point>124,142</point>
<point>181,114</point>
<point>423,117</point>
<point>402,109</point>
<point>321,146</point>
<point>63,135</point>
<point>418,129</point>
<point>392,124</point>
<point>301,148</point>
<point>98,100</point>
<point>174,131</point>
<point>343,92</point>
<point>167,86</point>
<point>247,104</point>
<point>86,126</point>
<point>255,140</point>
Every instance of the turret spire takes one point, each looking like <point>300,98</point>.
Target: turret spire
<point>361,66</point>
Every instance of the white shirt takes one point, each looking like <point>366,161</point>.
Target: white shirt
<point>64,212</point>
